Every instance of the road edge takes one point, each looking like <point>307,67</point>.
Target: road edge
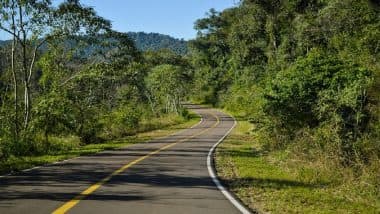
<point>80,156</point>
<point>212,172</point>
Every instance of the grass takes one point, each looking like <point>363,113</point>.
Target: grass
<point>70,147</point>
<point>277,182</point>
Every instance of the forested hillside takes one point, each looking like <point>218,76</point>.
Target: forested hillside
<point>306,74</point>
<point>156,41</point>
<point>145,42</point>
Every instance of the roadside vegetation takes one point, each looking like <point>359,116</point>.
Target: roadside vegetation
<point>70,85</point>
<point>280,181</point>
<point>63,148</point>
<point>304,79</point>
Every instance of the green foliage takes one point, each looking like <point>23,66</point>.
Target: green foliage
<point>305,73</point>
<point>318,88</point>
<point>165,56</point>
<point>282,181</point>
<point>53,115</point>
<point>65,74</point>
<point>121,122</point>
<point>166,85</point>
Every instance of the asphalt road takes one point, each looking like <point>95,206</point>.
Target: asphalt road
<point>166,175</point>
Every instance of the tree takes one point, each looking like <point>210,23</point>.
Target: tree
<point>167,86</point>
<point>34,23</point>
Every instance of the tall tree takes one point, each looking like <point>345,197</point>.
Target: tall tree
<point>32,24</point>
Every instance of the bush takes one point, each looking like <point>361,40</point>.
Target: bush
<point>183,112</point>
<point>319,90</point>
<point>121,122</point>
<point>88,125</point>
<point>4,149</point>
<point>53,114</point>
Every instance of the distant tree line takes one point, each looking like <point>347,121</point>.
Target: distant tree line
<point>143,41</point>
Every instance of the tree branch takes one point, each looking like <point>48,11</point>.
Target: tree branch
<point>34,57</point>
<point>10,32</point>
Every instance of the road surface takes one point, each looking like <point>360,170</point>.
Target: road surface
<point>166,175</point>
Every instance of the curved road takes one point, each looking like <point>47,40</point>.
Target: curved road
<point>166,175</point>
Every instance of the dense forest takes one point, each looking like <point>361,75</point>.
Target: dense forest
<point>304,72</point>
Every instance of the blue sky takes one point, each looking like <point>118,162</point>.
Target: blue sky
<point>171,17</point>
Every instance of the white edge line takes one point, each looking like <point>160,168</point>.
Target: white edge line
<point>66,160</point>
<point>211,171</point>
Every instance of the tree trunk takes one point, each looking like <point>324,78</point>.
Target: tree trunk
<point>25,70</point>
<point>14,77</point>
<point>26,104</point>
<point>175,105</point>
<point>151,104</point>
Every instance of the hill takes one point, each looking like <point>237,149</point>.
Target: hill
<point>155,41</point>
<point>150,41</point>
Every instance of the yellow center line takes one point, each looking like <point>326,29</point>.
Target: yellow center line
<point>70,204</point>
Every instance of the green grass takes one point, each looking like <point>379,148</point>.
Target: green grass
<point>276,182</point>
<point>70,147</point>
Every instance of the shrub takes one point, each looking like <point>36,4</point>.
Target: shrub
<point>88,125</point>
<point>52,115</point>
<point>121,122</point>
<point>322,89</point>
